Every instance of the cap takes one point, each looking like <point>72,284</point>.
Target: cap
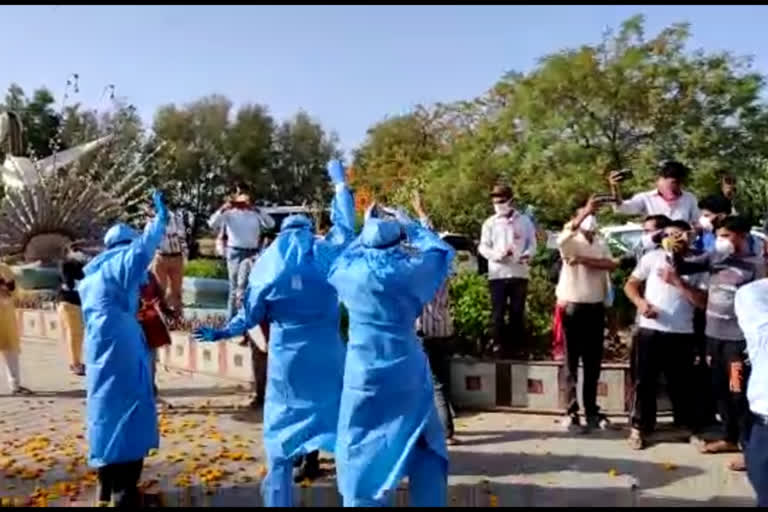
<point>502,191</point>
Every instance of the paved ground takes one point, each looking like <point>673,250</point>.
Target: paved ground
<point>210,454</point>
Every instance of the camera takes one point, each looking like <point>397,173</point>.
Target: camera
<point>623,174</point>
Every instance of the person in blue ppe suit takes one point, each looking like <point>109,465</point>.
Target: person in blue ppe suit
<point>288,286</point>
<point>389,426</point>
<point>120,403</point>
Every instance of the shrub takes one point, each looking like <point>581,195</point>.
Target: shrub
<point>539,311</point>
<point>470,307</point>
<point>206,268</point>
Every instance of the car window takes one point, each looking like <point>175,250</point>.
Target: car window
<point>629,238</point>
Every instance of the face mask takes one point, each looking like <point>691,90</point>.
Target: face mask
<point>706,223</point>
<point>724,247</point>
<point>502,208</point>
<point>648,240</point>
<point>589,224</point>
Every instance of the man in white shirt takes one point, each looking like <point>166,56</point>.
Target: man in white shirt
<point>668,198</point>
<point>508,242</point>
<point>751,306</point>
<point>242,223</point>
<point>665,340</point>
<point>581,292</point>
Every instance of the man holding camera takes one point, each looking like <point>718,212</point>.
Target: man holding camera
<point>582,291</point>
<point>243,224</point>
<point>667,199</point>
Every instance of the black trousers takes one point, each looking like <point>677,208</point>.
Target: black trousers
<point>704,406</point>
<point>259,364</point>
<point>655,352</point>
<point>310,458</point>
<point>121,481</point>
<point>507,310</point>
<point>756,457</point>
<point>437,350</point>
<point>730,374</point>
<point>584,326</point>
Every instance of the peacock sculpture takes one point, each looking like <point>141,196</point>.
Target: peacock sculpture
<point>66,197</point>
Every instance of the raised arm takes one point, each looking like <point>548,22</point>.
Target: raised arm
<point>429,267</point>
<point>633,206</point>
<point>216,220</point>
<point>342,230</point>
<point>142,249</point>
<point>266,219</point>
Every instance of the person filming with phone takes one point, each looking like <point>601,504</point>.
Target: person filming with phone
<point>583,291</point>
<point>668,198</point>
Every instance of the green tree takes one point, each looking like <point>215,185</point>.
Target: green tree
<point>204,154</point>
<point>191,142</point>
<point>629,101</point>
<point>40,119</point>
<point>301,150</point>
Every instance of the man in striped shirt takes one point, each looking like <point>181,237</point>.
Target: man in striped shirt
<point>170,258</point>
<point>435,326</point>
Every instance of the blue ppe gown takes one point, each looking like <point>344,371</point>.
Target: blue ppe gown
<point>288,286</point>
<point>120,404</point>
<point>388,423</point>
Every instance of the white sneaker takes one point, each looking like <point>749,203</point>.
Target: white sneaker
<point>572,422</point>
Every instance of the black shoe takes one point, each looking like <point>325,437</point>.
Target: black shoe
<point>309,470</point>
<point>598,422</point>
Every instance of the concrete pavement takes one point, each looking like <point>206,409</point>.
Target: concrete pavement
<point>210,453</point>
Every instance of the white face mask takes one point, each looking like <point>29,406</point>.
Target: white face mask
<point>589,224</point>
<point>502,208</point>
<point>706,223</point>
<point>647,241</point>
<point>724,247</point>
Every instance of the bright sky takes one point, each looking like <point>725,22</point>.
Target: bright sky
<point>348,66</point>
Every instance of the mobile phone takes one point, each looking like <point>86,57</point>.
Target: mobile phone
<point>624,174</point>
<point>604,198</point>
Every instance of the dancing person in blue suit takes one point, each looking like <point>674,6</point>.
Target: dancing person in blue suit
<point>288,286</point>
<point>120,403</point>
<point>388,423</point>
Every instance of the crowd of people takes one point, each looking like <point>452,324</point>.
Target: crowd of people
<point>382,408</point>
<point>690,266</point>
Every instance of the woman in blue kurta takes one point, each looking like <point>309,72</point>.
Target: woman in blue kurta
<point>388,423</point>
<point>288,287</point>
<point>120,405</point>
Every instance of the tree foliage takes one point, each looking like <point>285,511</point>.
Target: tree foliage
<point>553,133</point>
<point>206,150</point>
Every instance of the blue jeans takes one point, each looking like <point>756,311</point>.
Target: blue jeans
<point>756,457</point>
<point>234,257</point>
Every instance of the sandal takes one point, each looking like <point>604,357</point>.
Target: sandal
<point>719,447</point>
<point>21,390</point>
<point>737,464</point>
